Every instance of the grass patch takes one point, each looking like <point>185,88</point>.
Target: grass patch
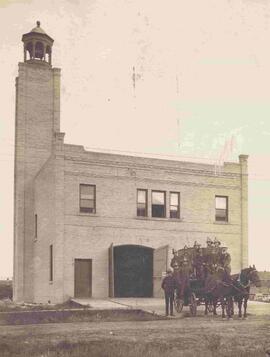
<point>7,305</point>
<point>56,316</point>
<point>118,348</point>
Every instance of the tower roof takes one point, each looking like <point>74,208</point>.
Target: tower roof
<point>37,31</point>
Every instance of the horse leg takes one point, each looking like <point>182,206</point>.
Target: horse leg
<point>215,302</point>
<point>240,307</point>
<point>232,307</point>
<point>206,306</point>
<point>229,307</point>
<point>223,307</point>
<point>245,307</point>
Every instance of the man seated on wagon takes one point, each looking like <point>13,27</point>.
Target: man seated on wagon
<point>216,243</point>
<point>175,259</point>
<point>209,243</point>
<point>199,264</point>
<point>196,245</point>
<point>226,260</point>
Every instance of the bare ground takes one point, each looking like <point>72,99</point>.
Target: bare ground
<point>184,336</point>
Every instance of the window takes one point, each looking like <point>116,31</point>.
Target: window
<point>158,204</point>
<point>88,198</point>
<point>51,262</point>
<point>142,203</point>
<point>174,205</point>
<point>222,208</point>
<point>36,226</point>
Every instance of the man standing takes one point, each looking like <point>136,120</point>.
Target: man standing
<point>168,285</point>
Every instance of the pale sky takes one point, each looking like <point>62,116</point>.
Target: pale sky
<point>204,64</point>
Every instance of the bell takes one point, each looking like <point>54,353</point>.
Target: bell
<point>38,53</point>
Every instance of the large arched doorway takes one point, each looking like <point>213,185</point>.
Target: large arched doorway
<point>133,271</point>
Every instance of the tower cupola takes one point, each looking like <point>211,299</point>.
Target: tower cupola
<point>37,46</point>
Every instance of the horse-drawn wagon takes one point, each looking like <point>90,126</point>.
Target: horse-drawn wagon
<point>203,277</point>
<point>191,266</point>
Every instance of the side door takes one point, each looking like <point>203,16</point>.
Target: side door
<point>83,278</point>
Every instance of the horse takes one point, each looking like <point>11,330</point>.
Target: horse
<point>220,287</point>
<point>243,280</point>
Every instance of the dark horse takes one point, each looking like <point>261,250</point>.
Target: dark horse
<point>243,281</point>
<point>235,287</point>
<point>220,287</point>
<point>217,288</point>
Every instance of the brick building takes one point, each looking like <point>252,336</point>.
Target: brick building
<point>98,224</point>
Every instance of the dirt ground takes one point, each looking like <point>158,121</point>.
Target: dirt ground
<point>180,336</point>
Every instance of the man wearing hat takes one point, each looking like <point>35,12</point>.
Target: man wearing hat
<point>168,285</point>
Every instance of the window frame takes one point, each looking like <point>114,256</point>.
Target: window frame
<point>178,206</point>
<point>226,210</point>
<point>165,208</point>
<point>86,210</point>
<point>146,202</point>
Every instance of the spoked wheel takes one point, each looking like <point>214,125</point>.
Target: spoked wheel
<point>193,304</point>
<point>178,304</point>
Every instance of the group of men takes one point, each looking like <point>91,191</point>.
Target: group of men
<point>195,262</point>
<point>201,261</point>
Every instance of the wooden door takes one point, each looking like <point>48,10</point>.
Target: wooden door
<point>160,265</point>
<point>111,271</point>
<point>83,278</point>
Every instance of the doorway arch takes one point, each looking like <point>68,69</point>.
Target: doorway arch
<point>133,271</point>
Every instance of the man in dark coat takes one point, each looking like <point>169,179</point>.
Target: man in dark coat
<point>168,285</point>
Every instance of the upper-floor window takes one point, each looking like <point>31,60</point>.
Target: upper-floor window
<point>174,205</point>
<point>88,198</point>
<point>142,203</point>
<point>158,204</point>
<point>222,208</point>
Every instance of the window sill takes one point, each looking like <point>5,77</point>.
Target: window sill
<point>87,214</point>
<point>35,240</point>
<point>50,282</point>
<point>221,222</point>
<point>165,219</point>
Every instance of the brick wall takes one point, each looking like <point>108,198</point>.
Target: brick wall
<point>117,179</point>
<point>37,116</point>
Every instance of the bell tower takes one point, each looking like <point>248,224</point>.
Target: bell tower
<point>37,122</point>
<point>37,46</point>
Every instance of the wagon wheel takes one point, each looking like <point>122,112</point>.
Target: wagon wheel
<point>178,304</point>
<point>193,304</point>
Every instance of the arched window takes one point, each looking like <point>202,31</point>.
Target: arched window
<point>29,49</point>
<point>39,50</point>
<point>48,53</point>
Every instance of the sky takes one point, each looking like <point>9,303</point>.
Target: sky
<point>181,78</point>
